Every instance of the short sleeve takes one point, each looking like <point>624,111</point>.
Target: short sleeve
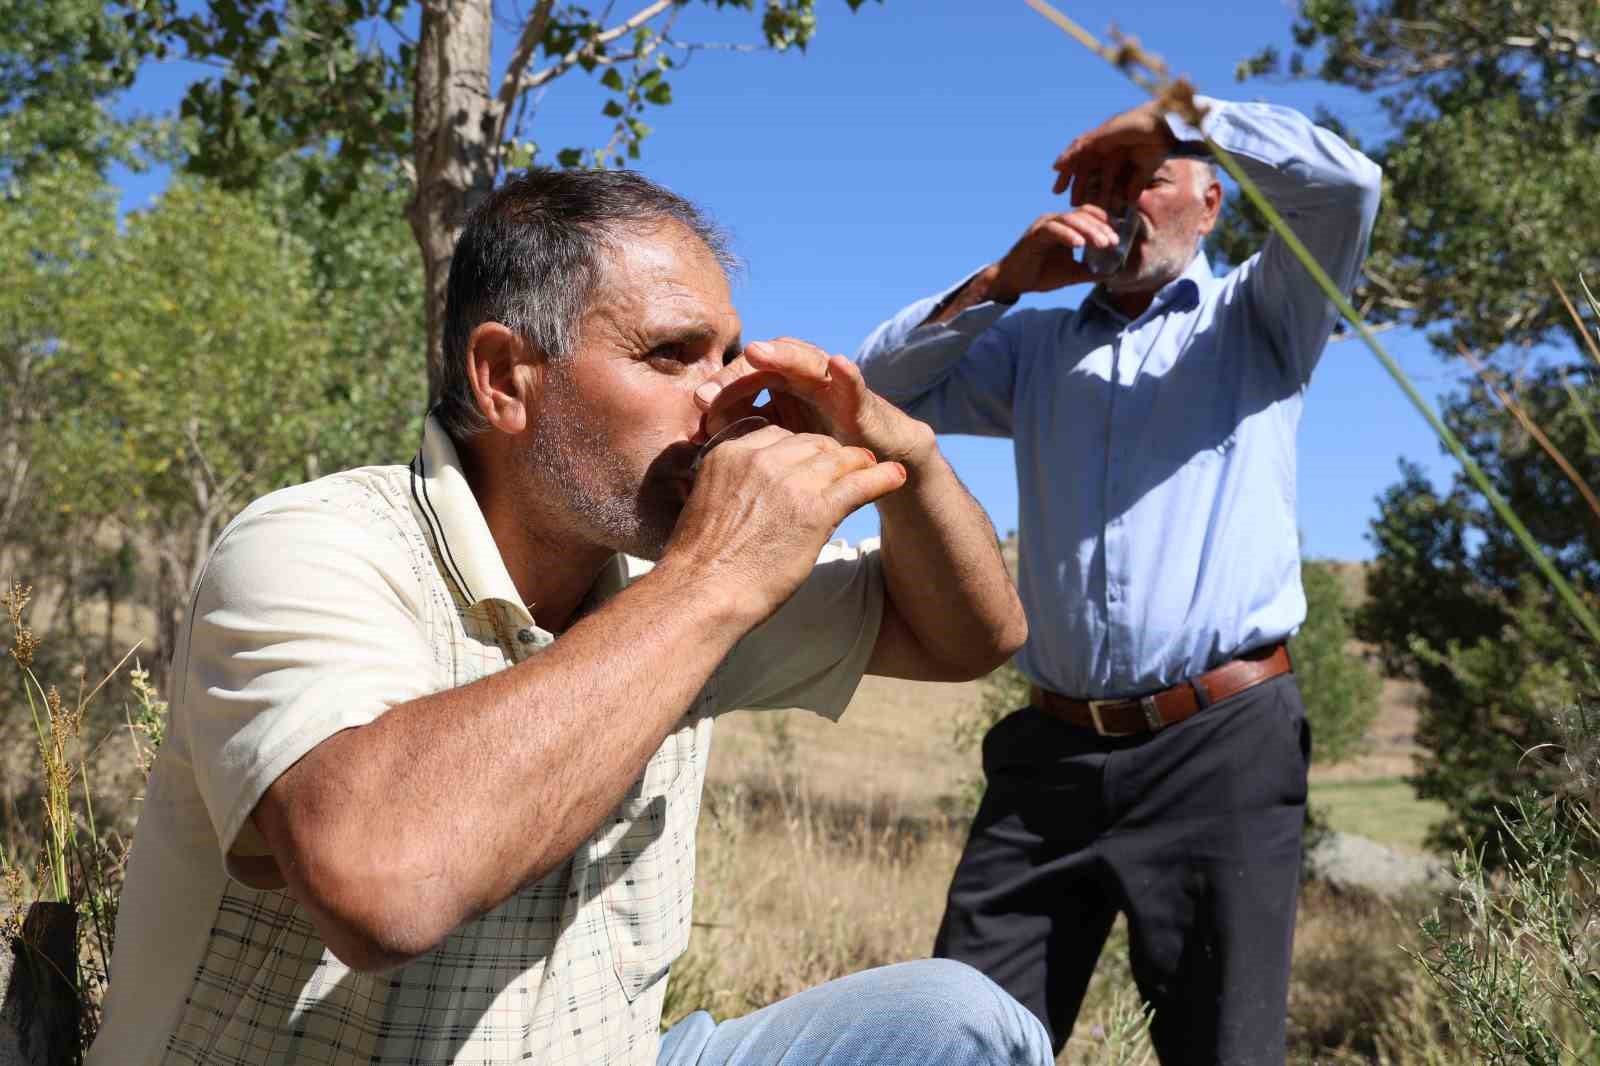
<point>305,622</point>
<point>813,652</point>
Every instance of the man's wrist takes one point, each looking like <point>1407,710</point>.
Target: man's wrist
<point>894,436</point>
<point>982,287</point>
<point>989,286</point>
<point>708,589</point>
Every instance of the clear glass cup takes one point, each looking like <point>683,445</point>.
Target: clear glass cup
<point>1104,262</point>
<point>732,431</point>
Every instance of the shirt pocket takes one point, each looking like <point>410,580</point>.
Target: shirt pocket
<point>645,856</point>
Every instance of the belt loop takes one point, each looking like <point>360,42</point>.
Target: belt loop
<point>1202,698</point>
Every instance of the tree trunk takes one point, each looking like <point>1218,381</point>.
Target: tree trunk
<point>453,130</point>
<point>168,576</point>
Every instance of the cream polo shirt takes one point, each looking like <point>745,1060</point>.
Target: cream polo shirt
<point>321,606</point>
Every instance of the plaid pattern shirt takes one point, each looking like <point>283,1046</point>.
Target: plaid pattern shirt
<point>322,606</point>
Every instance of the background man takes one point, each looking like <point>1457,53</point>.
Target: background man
<point>1154,429</point>
<point>435,759</point>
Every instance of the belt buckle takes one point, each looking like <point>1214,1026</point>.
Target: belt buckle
<point>1147,704</point>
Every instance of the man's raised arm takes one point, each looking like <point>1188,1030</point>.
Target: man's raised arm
<point>1326,191</point>
<point>951,611</point>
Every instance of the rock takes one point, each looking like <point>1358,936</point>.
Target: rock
<point>1349,861</point>
<point>38,995</point>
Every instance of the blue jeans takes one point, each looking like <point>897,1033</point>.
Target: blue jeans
<point>933,1011</point>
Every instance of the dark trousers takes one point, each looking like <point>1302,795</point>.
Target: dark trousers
<point>1192,832</point>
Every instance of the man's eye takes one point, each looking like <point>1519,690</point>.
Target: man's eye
<point>669,356</point>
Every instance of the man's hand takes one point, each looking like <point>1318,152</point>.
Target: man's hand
<point>1111,163</point>
<point>762,507</point>
<point>812,392</point>
<point>1044,258</point>
<point>764,501</point>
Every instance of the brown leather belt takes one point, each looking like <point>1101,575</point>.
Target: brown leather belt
<point>1145,714</point>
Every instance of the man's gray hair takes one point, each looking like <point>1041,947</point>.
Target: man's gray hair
<point>530,257</point>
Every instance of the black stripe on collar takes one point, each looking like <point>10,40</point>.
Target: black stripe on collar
<point>419,493</point>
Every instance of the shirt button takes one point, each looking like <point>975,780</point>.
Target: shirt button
<point>526,636</point>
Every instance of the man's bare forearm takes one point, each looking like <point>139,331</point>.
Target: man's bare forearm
<point>446,805</point>
<point>943,572</point>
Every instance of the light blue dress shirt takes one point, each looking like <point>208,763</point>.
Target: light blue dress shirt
<point>1155,457</point>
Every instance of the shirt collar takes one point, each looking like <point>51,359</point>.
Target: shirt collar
<point>466,549</point>
<point>1185,289</point>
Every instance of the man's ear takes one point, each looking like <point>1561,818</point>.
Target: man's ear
<point>1212,199</point>
<point>507,374</point>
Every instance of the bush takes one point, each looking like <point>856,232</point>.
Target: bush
<point>1519,958</point>
<point>1454,603</point>
<point>1339,689</point>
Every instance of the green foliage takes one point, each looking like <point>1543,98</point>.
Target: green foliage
<point>1491,149</point>
<point>1490,152</point>
<point>1518,958</point>
<point>204,343</point>
<point>54,231</point>
<point>363,268</point>
<point>157,379</point>
<point>336,81</point>
<point>61,62</point>
<point>1451,603</point>
<point>1339,690</point>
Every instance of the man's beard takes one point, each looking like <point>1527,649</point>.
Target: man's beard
<point>590,488</point>
<point>1157,264</point>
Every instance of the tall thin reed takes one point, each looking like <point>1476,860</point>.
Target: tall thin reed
<point>74,867</point>
<point>1519,411</point>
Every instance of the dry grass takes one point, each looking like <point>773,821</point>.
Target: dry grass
<point>794,890</point>
<point>791,893</point>
<point>892,747</point>
<point>824,850</point>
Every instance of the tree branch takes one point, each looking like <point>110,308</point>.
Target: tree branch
<point>1410,39</point>
<point>1562,42</point>
<point>533,32</point>
<point>572,58</point>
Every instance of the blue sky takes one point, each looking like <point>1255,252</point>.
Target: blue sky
<point>912,144</point>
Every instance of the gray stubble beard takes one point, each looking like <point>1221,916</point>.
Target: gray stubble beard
<point>566,459</point>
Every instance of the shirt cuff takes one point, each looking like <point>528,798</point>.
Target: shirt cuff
<point>1192,138</point>
<point>971,322</point>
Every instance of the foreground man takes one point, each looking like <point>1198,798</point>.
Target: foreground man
<point>430,788</point>
<point>1161,769</point>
